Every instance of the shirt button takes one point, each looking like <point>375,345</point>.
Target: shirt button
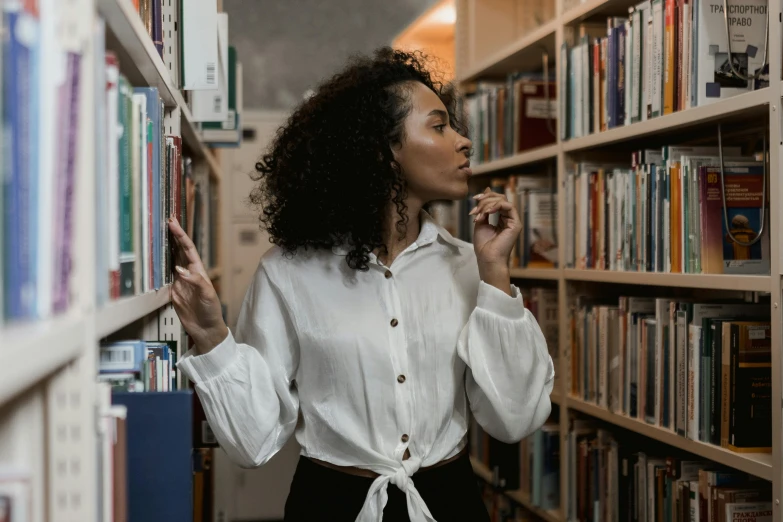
<point>404,437</point>
<point>394,322</point>
<point>388,274</point>
<point>400,379</point>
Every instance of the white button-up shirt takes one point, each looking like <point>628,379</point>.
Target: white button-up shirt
<point>376,363</point>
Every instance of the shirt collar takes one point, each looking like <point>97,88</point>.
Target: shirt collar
<point>430,231</point>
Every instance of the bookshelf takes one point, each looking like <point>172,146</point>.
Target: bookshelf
<point>487,50</point>
<point>517,496</point>
<point>49,398</point>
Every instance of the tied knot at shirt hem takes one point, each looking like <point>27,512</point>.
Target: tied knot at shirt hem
<point>377,496</point>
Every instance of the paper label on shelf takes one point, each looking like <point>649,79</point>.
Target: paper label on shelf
<point>230,123</point>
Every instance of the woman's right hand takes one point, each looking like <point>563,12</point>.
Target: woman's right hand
<point>195,299</point>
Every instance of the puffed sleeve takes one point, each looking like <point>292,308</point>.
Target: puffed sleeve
<point>509,371</point>
<point>246,383</point>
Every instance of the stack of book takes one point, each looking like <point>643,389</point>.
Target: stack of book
<point>701,370</point>
<point>665,56</point>
<point>141,183</point>
<point>665,213</point>
<point>610,480</point>
<point>510,117</point>
<point>40,138</point>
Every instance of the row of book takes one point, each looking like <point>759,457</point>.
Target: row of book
<point>611,481</point>
<point>150,465</point>
<point>531,467</point>
<point>535,200</point>
<point>138,366</point>
<point>665,56</point>
<point>666,213</point>
<point>140,181</point>
<point>506,118</point>
<point>40,105</point>
<point>543,304</point>
<point>143,178</point>
<point>701,370</point>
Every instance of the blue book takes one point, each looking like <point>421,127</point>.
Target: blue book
<point>19,61</point>
<point>160,447</point>
<point>154,113</point>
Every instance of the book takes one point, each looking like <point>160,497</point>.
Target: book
<point>720,74</point>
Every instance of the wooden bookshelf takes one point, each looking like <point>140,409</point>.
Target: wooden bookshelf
<point>34,350</point>
<point>519,160</point>
<point>751,104</point>
<point>122,312</point>
<point>541,274</point>
<point>519,497</point>
<point>487,51</point>
<point>143,66</point>
<point>750,283</point>
<point>50,427</point>
<point>758,464</point>
<point>524,53</point>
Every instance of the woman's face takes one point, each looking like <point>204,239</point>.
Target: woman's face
<point>433,156</point>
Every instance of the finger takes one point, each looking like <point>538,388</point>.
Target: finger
<point>483,194</point>
<point>498,206</point>
<point>186,246</point>
<point>490,201</point>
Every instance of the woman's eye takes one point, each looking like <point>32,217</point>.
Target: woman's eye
<point>440,127</point>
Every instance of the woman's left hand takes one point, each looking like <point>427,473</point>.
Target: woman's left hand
<point>493,243</point>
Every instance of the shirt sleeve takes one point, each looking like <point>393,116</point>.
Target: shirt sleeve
<point>509,371</point>
<point>246,383</point>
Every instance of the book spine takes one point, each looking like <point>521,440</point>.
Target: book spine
<point>72,101</point>
<point>621,76</point>
<point>669,57</point>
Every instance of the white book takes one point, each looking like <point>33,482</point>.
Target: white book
<point>136,180</point>
<point>661,325</point>
<point>140,100</point>
<point>199,37</point>
<point>635,72</point>
<point>212,105</point>
<point>656,95</point>
<point>586,73</point>
<point>749,511</point>
<point>694,501</point>
<point>647,46</point>
<point>747,29</point>
<point>576,64</point>
<point>685,81</point>
<point>694,357</point>
<point>113,163</point>
<point>603,356</point>
<point>52,60</point>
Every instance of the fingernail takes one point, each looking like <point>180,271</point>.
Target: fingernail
<point>473,211</point>
<point>183,271</point>
<point>478,196</point>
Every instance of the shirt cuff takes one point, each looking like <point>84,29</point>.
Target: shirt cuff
<point>200,368</point>
<point>498,302</point>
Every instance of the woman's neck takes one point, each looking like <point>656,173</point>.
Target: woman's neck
<point>395,244</point>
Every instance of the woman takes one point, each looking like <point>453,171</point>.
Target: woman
<point>368,330</point>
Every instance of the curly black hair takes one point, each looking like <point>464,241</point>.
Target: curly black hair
<point>330,174</point>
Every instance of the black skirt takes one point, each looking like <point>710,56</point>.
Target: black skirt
<point>451,492</point>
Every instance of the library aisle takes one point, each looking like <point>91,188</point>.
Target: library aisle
<point>644,154</point>
<point>640,141</point>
